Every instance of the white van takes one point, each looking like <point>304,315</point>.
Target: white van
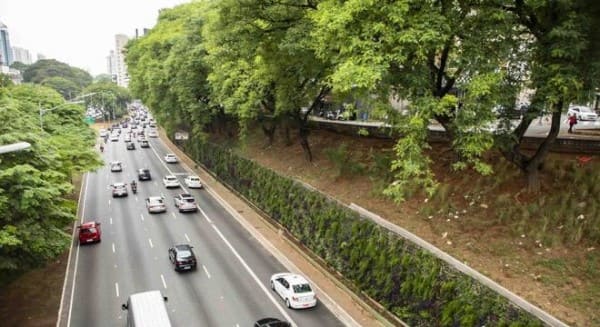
<point>147,309</point>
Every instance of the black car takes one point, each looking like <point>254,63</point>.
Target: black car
<point>182,257</point>
<point>130,146</point>
<point>144,174</point>
<point>271,322</point>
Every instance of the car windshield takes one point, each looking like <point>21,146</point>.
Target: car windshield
<point>585,109</point>
<point>91,230</point>
<point>192,179</point>
<point>189,200</point>
<point>302,288</point>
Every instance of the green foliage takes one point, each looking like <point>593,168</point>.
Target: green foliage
<point>48,68</point>
<point>67,88</point>
<point>35,184</point>
<point>109,97</point>
<point>168,70</point>
<point>342,159</point>
<point>409,282</point>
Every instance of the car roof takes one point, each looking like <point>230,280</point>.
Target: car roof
<point>155,198</point>
<point>295,279</point>
<point>119,184</point>
<point>89,224</point>
<point>170,176</point>
<point>183,247</point>
<point>115,162</point>
<point>193,176</point>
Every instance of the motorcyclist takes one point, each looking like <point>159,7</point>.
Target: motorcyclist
<point>133,186</point>
<point>101,148</point>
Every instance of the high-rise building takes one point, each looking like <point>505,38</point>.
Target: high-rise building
<point>121,68</point>
<point>22,55</point>
<point>6,57</point>
<point>111,65</point>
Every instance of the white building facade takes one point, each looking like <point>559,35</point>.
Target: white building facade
<point>22,55</point>
<point>119,60</point>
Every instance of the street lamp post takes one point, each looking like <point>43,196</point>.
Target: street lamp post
<point>14,147</point>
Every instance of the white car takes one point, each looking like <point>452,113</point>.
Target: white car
<point>127,138</point>
<point>582,113</point>
<point>152,133</point>
<point>119,190</point>
<point>171,158</point>
<point>294,290</point>
<point>103,132</point>
<point>171,181</point>
<point>116,166</point>
<point>114,137</point>
<point>185,202</point>
<point>156,204</point>
<point>193,181</point>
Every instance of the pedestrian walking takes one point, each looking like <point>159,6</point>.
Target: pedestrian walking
<point>572,120</point>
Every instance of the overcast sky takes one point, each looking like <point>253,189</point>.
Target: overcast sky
<point>78,32</point>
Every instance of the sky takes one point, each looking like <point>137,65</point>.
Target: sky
<point>80,33</point>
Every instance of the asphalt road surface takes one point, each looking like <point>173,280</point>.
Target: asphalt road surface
<point>230,287</point>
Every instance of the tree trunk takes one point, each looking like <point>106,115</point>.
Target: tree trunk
<point>303,133</point>
<point>531,165</point>
<point>533,180</point>
<point>286,135</point>
<point>269,132</point>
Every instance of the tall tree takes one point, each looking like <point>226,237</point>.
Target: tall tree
<point>43,69</point>
<point>564,62</point>
<point>168,71</point>
<point>35,184</point>
<point>442,56</point>
<point>264,66</point>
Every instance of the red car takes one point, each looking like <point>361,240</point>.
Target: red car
<point>90,232</point>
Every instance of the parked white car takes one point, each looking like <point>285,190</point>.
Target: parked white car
<point>582,113</point>
<point>193,181</point>
<point>171,158</point>
<point>294,290</point>
<point>171,181</point>
<point>152,133</point>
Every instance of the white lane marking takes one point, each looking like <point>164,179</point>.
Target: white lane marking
<point>113,247</point>
<point>60,308</point>
<point>142,216</point>
<point>237,325</point>
<point>117,289</point>
<point>111,220</point>
<point>253,275</point>
<point>205,215</point>
<point>186,237</point>
<point>109,202</point>
<point>150,241</point>
<point>206,271</point>
<point>163,281</point>
<point>136,198</point>
<point>174,216</point>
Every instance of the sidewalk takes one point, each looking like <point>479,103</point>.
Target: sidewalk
<point>342,302</point>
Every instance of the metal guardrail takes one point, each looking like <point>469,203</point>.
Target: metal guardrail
<point>380,130</point>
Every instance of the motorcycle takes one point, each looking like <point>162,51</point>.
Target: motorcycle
<point>101,148</point>
<point>134,188</point>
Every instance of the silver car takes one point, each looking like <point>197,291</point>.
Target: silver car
<point>185,202</point>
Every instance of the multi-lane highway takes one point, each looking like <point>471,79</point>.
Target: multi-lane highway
<point>230,287</point>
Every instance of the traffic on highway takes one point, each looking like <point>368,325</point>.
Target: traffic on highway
<point>171,236</point>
